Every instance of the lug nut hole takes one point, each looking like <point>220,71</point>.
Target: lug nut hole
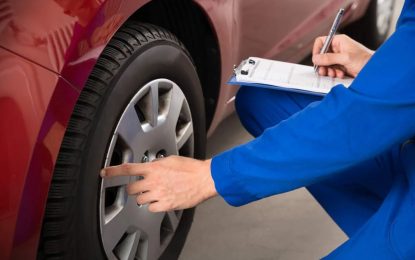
<point>161,154</point>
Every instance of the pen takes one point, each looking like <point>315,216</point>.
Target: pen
<point>332,32</point>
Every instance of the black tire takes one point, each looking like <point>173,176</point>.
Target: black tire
<point>137,54</point>
<point>366,31</point>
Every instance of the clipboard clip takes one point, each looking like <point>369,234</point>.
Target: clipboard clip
<point>244,67</point>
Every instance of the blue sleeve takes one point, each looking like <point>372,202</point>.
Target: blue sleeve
<point>347,127</point>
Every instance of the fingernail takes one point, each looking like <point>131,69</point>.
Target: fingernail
<point>102,173</point>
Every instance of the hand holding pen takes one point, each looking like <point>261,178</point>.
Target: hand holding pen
<point>347,58</point>
<point>332,32</point>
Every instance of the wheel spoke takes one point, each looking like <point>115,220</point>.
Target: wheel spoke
<point>129,127</point>
<point>126,248</point>
<point>154,113</point>
<point>116,181</point>
<point>154,246</point>
<point>173,219</point>
<point>176,104</point>
<point>146,221</point>
<point>115,228</point>
<point>141,218</point>
<point>149,223</point>
<point>134,240</point>
<point>184,134</point>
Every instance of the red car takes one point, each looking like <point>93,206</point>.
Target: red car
<point>91,83</point>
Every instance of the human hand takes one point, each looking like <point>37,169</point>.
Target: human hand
<point>347,57</point>
<point>170,183</point>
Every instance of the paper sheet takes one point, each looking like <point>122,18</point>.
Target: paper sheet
<point>288,75</point>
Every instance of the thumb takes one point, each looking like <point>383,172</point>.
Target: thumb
<point>328,59</point>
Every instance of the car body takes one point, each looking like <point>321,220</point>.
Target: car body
<point>48,49</point>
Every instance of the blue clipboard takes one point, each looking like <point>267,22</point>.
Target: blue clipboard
<point>234,81</point>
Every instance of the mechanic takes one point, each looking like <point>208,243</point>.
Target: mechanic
<point>349,149</point>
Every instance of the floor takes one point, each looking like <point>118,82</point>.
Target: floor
<point>288,226</point>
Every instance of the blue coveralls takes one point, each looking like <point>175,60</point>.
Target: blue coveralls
<point>350,149</point>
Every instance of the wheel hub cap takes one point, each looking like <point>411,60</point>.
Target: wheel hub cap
<point>157,122</point>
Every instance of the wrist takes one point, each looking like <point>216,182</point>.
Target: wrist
<point>364,60</point>
<point>209,184</point>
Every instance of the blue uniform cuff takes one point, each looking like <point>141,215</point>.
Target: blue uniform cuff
<point>227,182</point>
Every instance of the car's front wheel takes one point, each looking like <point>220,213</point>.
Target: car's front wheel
<point>143,101</point>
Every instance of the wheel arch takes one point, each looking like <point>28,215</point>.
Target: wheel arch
<point>188,20</point>
<point>74,78</point>
<point>191,24</point>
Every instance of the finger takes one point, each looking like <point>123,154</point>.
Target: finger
<point>336,42</point>
<point>138,186</point>
<point>322,71</point>
<point>146,198</point>
<point>339,73</point>
<point>331,73</point>
<point>158,207</point>
<point>127,169</point>
<point>328,59</point>
<point>318,44</point>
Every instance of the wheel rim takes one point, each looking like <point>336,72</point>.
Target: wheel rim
<point>384,11</point>
<point>156,122</point>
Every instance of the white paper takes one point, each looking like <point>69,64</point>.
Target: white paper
<point>289,75</point>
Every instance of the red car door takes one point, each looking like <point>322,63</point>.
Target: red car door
<point>282,29</point>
